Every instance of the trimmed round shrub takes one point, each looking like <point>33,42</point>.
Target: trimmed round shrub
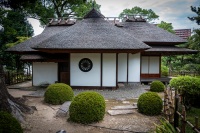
<point>157,86</point>
<point>150,103</point>
<point>8,124</point>
<point>58,93</point>
<point>87,107</point>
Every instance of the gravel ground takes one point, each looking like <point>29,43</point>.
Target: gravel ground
<point>133,90</point>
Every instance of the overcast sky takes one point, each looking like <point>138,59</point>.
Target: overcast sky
<point>171,11</point>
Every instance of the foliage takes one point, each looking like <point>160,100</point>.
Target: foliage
<point>83,9</point>
<point>14,25</point>
<point>8,124</point>
<point>195,18</point>
<point>157,86</point>
<point>148,13</point>
<point>189,88</point>
<point>191,114</point>
<point>20,40</point>
<point>58,93</point>
<point>87,107</point>
<point>150,103</point>
<point>166,26</point>
<point>164,70</point>
<point>165,127</point>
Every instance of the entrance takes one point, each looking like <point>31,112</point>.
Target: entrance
<point>64,72</point>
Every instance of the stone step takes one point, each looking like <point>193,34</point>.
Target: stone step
<point>120,112</point>
<point>124,107</point>
<point>63,109</point>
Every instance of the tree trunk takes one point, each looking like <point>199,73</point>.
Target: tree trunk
<point>9,103</point>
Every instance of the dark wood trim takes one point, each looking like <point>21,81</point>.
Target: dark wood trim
<point>101,76</point>
<point>140,66</point>
<point>94,87</point>
<point>133,51</point>
<point>116,70</point>
<point>32,73</point>
<point>146,75</point>
<point>148,63</point>
<point>127,71</point>
<point>160,65</point>
<point>69,63</point>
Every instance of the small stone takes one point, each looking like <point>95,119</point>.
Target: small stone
<point>125,107</point>
<point>125,102</point>
<point>120,112</point>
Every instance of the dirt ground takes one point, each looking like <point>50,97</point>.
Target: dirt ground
<point>44,120</point>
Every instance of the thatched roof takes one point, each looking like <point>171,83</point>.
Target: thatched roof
<point>26,46</point>
<point>169,50</point>
<point>151,34</point>
<point>92,33</point>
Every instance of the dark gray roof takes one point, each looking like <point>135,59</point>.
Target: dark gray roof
<point>92,33</point>
<point>151,34</point>
<point>169,50</point>
<point>94,14</point>
<point>26,46</point>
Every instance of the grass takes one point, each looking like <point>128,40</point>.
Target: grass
<point>190,115</point>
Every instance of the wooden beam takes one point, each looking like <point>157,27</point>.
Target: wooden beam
<point>101,70</point>
<point>116,70</point>
<point>127,68</point>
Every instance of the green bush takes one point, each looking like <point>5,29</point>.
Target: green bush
<point>58,93</point>
<point>164,71</point>
<point>8,124</point>
<point>87,107</point>
<point>150,103</point>
<point>189,88</point>
<point>157,86</point>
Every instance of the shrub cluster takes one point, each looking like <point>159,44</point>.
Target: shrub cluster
<point>8,124</point>
<point>150,103</point>
<point>157,86</point>
<point>87,107</point>
<point>189,88</point>
<point>58,93</point>
<point>164,71</point>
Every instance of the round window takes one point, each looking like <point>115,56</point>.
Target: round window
<point>85,65</point>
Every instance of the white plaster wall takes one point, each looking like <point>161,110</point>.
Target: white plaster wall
<point>122,67</point>
<point>145,64</point>
<point>154,64</point>
<point>79,78</point>
<point>134,68</point>
<point>44,72</point>
<point>109,70</point>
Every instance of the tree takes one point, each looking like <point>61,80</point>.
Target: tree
<point>10,104</point>
<point>166,26</point>
<point>195,18</point>
<point>149,14</point>
<point>14,24</point>
<point>83,9</point>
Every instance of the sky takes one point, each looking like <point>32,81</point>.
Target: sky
<point>171,11</point>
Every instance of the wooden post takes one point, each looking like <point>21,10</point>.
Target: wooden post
<point>183,124</point>
<point>176,116</point>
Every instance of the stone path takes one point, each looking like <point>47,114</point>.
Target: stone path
<point>129,91</point>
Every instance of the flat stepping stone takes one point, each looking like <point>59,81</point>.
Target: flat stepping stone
<point>63,109</point>
<point>124,107</point>
<point>120,112</point>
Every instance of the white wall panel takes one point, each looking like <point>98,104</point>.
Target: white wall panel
<point>122,67</point>
<point>134,68</point>
<point>44,72</point>
<point>109,70</point>
<point>154,64</point>
<point>79,78</point>
<point>145,64</point>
